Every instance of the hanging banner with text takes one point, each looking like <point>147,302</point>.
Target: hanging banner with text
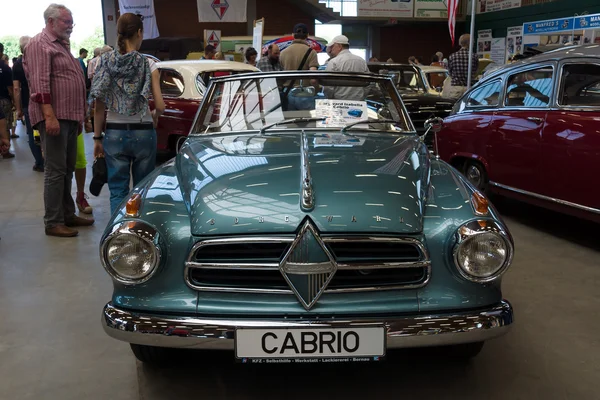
<point>587,22</point>
<point>221,10</point>
<point>385,8</point>
<point>486,6</point>
<point>431,9</point>
<point>548,26</point>
<point>145,8</point>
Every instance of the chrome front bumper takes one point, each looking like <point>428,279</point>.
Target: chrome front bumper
<point>204,333</point>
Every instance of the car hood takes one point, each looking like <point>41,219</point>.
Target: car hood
<point>252,183</point>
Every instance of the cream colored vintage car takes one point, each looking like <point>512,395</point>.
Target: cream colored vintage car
<point>183,84</point>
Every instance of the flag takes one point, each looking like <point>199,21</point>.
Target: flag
<point>452,6</point>
<point>221,10</point>
<point>144,8</point>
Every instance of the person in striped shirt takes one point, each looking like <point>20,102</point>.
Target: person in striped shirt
<point>57,109</point>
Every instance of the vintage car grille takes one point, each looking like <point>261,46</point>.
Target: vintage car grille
<point>252,264</point>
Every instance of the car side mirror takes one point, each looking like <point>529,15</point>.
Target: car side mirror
<point>434,124</point>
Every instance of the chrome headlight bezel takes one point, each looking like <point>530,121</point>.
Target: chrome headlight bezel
<point>142,230</point>
<point>477,227</point>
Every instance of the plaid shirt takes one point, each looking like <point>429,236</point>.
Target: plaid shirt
<point>264,64</point>
<point>458,67</point>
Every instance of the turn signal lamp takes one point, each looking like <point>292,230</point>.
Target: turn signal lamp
<point>133,205</point>
<point>480,203</point>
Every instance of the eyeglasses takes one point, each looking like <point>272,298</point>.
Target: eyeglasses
<point>67,21</point>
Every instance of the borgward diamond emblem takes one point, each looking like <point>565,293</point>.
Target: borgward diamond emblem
<point>308,266</point>
<point>220,7</point>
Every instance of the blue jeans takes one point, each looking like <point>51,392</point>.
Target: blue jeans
<point>127,151</point>
<point>36,150</point>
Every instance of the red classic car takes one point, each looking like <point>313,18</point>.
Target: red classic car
<point>531,130</point>
<point>183,84</point>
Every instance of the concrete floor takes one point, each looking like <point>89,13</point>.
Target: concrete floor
<point>52,345</point>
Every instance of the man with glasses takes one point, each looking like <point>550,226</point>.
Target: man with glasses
<point>344,61</point>
<point>57,109</point>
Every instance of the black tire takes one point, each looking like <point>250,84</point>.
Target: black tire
<point>464,352</point>
<point>150,354</point>
<point>475,173</point>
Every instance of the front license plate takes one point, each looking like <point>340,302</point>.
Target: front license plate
<point>310,344</point>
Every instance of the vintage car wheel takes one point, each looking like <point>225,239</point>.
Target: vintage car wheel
<point>150,354</point>
<point>475,173</point>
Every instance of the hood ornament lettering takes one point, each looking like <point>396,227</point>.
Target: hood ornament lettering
<point>307,197</point>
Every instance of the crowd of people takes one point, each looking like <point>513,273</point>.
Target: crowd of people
<point>59,98</point>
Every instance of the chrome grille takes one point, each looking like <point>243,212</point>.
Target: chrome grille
<point>251,264</point>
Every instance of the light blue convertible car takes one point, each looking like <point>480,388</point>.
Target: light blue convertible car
<point>288,229</point>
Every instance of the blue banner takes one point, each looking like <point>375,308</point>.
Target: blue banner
<point>549,26</point>
<point>587,21</point>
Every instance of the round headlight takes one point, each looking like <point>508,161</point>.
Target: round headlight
<point>130,254</point>
<point>483,252</point>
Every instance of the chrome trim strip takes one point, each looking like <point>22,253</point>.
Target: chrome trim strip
<point>257,267</point>
<point>551,199</point>
<point>307,197</point>
<point>418,330</point>
<point>477,227</point>
<point>424,263</point>
<point>132,227</point>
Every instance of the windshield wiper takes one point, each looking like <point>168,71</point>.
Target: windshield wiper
<point>290,121</point>
<point>366,121</point>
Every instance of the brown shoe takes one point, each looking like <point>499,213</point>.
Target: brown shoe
<point>61,231</point>
<point>76,220</point>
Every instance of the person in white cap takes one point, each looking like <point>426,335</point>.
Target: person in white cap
<point>344,61</point>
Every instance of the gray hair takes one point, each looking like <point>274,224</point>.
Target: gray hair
<point>464,40</point>
<point>440,55</point>
<point>105,49</point>
<point>24,41</point>
<point>53,11</point>
<point>97,51</point>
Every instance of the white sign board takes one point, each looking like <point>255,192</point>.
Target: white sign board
<point>257,36</point>
<point>498,51</point>
<point>431,9</point>
<point>484,43</point>
<point>514,41</point>
<point>385,8</point>
<point>486,6</point>
<point>145,8</point>
<point>338,113</point>
<point>212,37</point>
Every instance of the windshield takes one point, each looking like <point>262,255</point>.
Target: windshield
<point>203,78</point>
<point>320,101</point>
<point>406,77</point>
